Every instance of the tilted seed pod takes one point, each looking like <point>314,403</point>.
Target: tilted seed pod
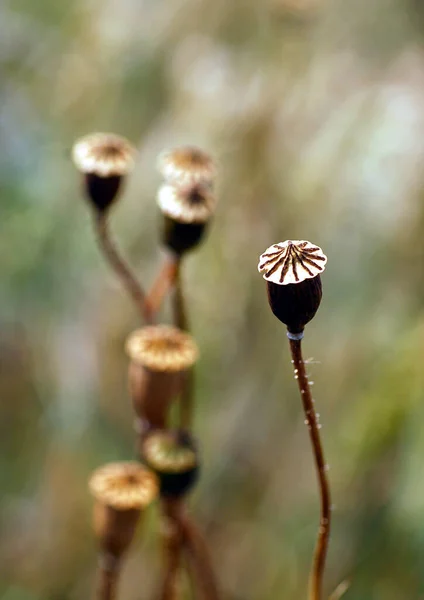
<point>187,212</point>
<point>121,490</point>
<point>187,167</point>
<point>160,357</point>
<point>173,456</point>
<point>104,159</point>
<point>292,272</point>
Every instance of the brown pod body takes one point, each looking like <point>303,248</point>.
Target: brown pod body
<point>152,392</point>
<point>102,191</point>
<point>186,212</point>
<point>173,456</point>
<point>114,528</point>
<point>295,304</point>
<point>122,490</point>
<point>160,356</point>
<point>104,159</point>
<point>292,270</point>
<point>181,237</point>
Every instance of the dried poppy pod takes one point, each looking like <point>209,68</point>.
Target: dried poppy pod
<point>104,159</point>
<point>187,212</point>
<point>292,272</point>
<point>187,166</point>
<point>173,456</point>
<point>160,357</point>
<point>122,490</point>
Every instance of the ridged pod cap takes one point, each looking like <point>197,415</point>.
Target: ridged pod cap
<point>124,485</point>
<point>173,456</point>
<point>122,490</point>
<point>162,348</point>
<point>104,159</point>
<point>292,272</point>
<point>187,166</point>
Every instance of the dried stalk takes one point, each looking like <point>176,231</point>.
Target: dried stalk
<point>121,268</point>
<point>181,321</point>
<point>162,284</point>
<point>198,557</point>
<point>173,545</point>
<point>318,565</point>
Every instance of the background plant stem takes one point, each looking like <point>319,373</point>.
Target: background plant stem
<point>173,541</point>
<point>120,267</point>
<point>199,561</point>
<point>181,321</point>
<point>318,565</point>
<point>162,284</point>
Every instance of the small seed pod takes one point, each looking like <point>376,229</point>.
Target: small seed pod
<point>292,272</point>
<point>104,159</point>
<point>187,166</point>
<point>187,212</point>
<point>173,456</point>
<point>122,490</point>
<point>160,357</point>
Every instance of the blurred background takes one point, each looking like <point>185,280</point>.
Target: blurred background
<point>314,110</point>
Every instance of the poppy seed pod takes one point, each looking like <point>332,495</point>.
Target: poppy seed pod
<point>122,490</point>
<point>104,159</point>
<point>187,166</point>
<point>292,272</point>
<point>173,456</point>
<point>160,357</point>
<point>186,212</point>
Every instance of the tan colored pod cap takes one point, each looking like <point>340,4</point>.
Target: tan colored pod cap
<point>291,261</point>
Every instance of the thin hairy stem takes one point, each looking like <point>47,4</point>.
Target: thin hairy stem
<point>120,267</point>
<point>162,284</point>
<point>318,565</point>
<point>199,561</point>
<point>181,321</point>
<point>107,584</point>
<point>173,542</point>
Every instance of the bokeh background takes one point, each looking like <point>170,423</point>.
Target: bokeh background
<point>314,110</point>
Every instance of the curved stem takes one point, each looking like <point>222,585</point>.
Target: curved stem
<point>162,284</point>
<point>198,555</point>
<point>120,267</point>
<point>318,565</point>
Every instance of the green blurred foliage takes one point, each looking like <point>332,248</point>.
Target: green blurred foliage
<point>314,112</point>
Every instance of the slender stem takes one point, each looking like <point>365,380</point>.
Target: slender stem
<point>120,267</point>
<point>317,571</point>
<point>181,321</point>
<point>163,282</point>
<point>179,304</point>
<point>173,542</point>
<point>198,555</point>
<point>107,584</point>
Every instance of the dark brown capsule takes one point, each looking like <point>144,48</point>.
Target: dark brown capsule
<point>173,456</point>
<point>186,212</point>
<point>104,159</point>
<point>292,272</point>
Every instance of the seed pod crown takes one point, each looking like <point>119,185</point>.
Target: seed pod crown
<point>292,271</point>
